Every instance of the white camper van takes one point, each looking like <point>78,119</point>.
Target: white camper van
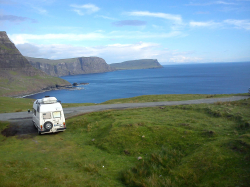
<point>48,116</point>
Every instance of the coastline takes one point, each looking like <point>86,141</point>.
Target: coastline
<point>52,89</point>
<point>42,91</point>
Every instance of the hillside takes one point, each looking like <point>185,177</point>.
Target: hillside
<point>17,76</point>
<point>209,145</point>
<point>137,64</point>
<point>71,66</point>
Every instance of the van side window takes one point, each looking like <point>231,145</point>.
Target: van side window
<point>34,111</point>
<point>38,108</point>
<point>47,115</point>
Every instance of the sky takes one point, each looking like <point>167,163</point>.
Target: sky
<point>180,31</point>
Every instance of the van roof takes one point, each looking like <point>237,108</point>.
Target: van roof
<point>47,100</point>
<point>48,104</point>
<point>51,107</point>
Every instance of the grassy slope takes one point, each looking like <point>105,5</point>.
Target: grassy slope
<point>8,104</point>
<point>52,62</point>
<point>137,64</point>
<point>18,83</point>
<point>194,145</point>
<point>164,97</point>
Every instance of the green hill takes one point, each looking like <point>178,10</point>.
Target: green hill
<point>17,76</point>
<point>137,64</point>
<point>204,145</point>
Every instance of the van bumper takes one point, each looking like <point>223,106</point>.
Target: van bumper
<point>53,130</point>
<point>61,129</point>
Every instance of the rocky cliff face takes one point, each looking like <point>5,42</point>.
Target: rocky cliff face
<point>73,66</point>
<point>17,76</point>
<point>10,57</point>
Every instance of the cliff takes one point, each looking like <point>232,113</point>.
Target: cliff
<point>137,64</point>
<point>72,66</point>
<point>17,76</point>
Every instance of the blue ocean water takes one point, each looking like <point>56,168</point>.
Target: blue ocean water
<point>210,78</point>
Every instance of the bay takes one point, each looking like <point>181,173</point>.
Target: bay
<point>209,78</point>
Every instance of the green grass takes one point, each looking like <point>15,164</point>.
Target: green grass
<point>3,47</point>
<point>13,83</point>
<point>137,64</point>
<point>166,97</point>
<point>8,104</point>
<point>190,145</point>
<point>68,105</point>
<point>52,62</point>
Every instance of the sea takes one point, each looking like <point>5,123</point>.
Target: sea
<point>206,78</point>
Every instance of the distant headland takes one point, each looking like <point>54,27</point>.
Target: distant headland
<point>87,65</point>
<point>137,64</point>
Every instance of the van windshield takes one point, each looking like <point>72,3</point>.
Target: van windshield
<point>56,114</point>
<point>47,115</point>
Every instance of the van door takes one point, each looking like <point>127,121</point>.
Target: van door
<point>36,117</point>
<point>57,117</point>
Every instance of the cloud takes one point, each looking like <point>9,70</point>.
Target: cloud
<point>13,18</point>
<point>40,10</point>
<point>204,24</point>
<point>94,36</point>
<point>112,53</point>
<point>85,9</point>
<point>35,6</point>
<point>79,12</point>
<point>211,3</point>
<point>29,49</point>
<point>240,24</point>
<point>51,38</point>
<point>172,17</point>
<point>223,3</point>
<point>105,17</point>
<point>129,23</point>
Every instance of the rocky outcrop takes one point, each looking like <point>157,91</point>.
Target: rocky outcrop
<point>73,66</point>
<point>10,57</point>
<point>137,64</point>
<point>17,76</point>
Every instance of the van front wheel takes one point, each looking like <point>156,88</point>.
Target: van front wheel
<point>48,125</point>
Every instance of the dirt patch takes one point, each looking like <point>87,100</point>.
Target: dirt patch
<point>9,131</point>
<point>23,129</point>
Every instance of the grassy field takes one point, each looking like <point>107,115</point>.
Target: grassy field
<point>191,145</point>
<point>8,104</point>
<point>20,82</point>
<point>166,97</point>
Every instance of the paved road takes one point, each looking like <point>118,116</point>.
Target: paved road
<point>70,112</point>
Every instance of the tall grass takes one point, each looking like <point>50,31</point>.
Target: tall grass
<point>191,145</point>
